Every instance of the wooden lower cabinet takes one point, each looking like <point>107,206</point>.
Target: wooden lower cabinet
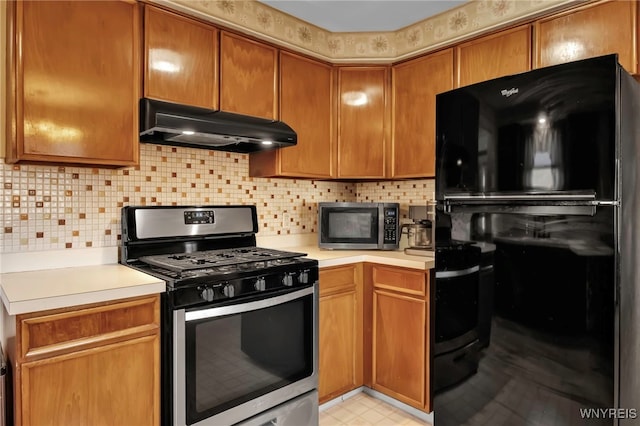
<point>399,347</point>
<point>375,332</point>
<point>400,334</point>
<point>340,330</point>
<point>94,364</point>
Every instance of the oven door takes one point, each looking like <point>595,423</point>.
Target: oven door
<point>235,361</point>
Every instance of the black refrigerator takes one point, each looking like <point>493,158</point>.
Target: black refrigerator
<point>536,318</point>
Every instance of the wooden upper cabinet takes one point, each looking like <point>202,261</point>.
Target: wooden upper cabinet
<point>74,73</point>
<point>306,104</point>
<point>415,85</point>
<point>593,30</point>
<point>504,53</point>
<point>180,59</point>
<point>362,121</point>
<point>248,76</point>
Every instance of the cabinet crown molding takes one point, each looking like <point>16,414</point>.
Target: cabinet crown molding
<point>470,19</point>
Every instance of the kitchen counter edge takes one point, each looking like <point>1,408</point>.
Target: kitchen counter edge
<point>328,258</point>
<point>40,290</point>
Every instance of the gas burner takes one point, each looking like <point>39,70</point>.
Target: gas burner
<point>222,261</point>
<point>179,256</point>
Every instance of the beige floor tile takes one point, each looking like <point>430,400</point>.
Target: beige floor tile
<point>328,420</point>
<point>364,410</point>
<point>388,422</point>
<point>357,407</point>
<point>358,421</point>
<point>344,413</point>
<point>414,422</point>
<point>398,417</point>
<point>385,409</point>
<point>369,401</point>
<point>372,416</point>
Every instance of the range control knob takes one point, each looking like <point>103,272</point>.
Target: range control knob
<point>287,280</point>
<point>229,290</point>
<point>303,278</point>
<point>207,294</point>
<point>260,284</point>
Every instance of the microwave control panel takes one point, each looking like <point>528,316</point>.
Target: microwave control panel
<point>390,225</point>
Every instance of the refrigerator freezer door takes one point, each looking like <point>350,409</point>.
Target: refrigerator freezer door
<point>548,130</point>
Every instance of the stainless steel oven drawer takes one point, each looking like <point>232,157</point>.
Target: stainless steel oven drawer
<point>300,411</point>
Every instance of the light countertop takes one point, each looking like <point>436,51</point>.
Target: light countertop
<point>40,290</point>
<point>37,290</point>
<point>328,258</point>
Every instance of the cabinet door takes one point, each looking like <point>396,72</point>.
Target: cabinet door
<point>593,30</point>
<point>306,104</point>
<point>180,59</point>
<point>504,53</point>
<point>248,76</point>
<point>362,121</point>
<point>340,331</point>
<point>93,364</point>
<point>110,385</point>
<point>399,347</point>
<point>76,82</point>
<point>415,85</point>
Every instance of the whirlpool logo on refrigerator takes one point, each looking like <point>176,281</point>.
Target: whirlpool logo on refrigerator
<point>508,92</point>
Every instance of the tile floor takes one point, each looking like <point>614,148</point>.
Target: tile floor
<point>364,410</point>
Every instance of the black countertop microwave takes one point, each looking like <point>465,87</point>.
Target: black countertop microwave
<point>358,226</point>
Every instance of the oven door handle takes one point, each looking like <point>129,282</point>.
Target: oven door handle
<point>457,273</point>
<point>246,307</point>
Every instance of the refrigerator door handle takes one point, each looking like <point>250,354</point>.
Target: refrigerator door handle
<point>582,209</point>
<point>606,203</point>
<point>572,204</point>
<point>516,198</point>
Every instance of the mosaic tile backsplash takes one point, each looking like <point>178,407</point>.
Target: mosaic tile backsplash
<point>58,207</point>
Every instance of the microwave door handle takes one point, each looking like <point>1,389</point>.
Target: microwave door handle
<point>246,307</point>
<point>380,227</point>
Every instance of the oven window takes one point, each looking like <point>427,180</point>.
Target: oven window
<point>235,358</point>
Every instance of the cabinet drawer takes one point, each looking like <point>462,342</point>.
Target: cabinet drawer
<point>60,331</point>
<point>339,278</point>
<point>403,280</point>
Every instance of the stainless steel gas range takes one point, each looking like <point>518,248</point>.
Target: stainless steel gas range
<point>239,322</point>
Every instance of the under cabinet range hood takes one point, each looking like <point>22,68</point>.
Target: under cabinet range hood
<point>182,125</point>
